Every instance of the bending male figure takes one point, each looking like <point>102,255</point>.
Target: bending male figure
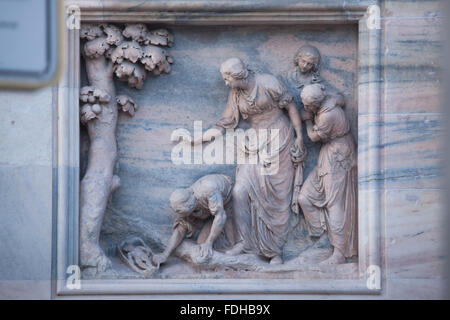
<point>202,213</point>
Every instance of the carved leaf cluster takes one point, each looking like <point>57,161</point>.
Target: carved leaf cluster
<point>126,104</point>
<point>92,99</point>
<point>133,50</point>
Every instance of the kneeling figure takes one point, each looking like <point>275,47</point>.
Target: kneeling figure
<point>202,211</point>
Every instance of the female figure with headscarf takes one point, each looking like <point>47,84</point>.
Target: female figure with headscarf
<point>328,197</point>
<point>261,202</point>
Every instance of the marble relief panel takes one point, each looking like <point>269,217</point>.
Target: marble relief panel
<point>196,78</point>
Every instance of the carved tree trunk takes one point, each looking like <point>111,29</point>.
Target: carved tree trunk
<point>106,53</point>
<point>99,180</point>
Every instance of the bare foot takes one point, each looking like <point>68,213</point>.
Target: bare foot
<point>276,260</point>
<point>336,258</point>
<point>237,249</point>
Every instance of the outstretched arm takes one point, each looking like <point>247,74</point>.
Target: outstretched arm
<point>295,119</point>
<point>175,240</point>
<point>212,133</point>
<point>209,134</point>
<point>298,151</point>
<point>217,226</point>
<point>215,204</point>
<point>229,120</point>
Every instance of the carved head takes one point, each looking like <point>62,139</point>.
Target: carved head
<point>307,59</point>
<point>312,97</point>
<point>234,72</point>
<point>183,202</point>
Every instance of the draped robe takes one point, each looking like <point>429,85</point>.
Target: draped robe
<point>261,202</point>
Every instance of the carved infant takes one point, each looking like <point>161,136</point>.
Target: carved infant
<point>203,211</point>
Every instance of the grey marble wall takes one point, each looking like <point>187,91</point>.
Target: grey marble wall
<point>26,127</point>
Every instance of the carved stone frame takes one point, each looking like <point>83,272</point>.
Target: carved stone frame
<point>66,172</point>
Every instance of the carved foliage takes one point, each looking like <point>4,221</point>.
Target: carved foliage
<point>93,100</point>
<point>126,104</point>
<point>134,51</point>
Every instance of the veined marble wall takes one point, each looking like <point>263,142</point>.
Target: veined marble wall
<point>414,221</point>
<point>415,233</point>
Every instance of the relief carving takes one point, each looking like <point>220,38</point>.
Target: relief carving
<point>129,53</point>
<point>222,224</point>
<point>261,202</point>
<point>328,197</point>
<point>203,208</point>
<point>307,67</point>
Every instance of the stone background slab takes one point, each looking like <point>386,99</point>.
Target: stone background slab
<point>195,91</point>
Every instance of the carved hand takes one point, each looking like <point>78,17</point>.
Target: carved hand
<point>206,250</point>
<point>197,141</point>
<point>306,115</point>
<point>205,137</point>
<point>298,151</point>
<point>159,259</point>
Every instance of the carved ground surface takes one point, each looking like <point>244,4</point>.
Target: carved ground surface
<point>247,266</point>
